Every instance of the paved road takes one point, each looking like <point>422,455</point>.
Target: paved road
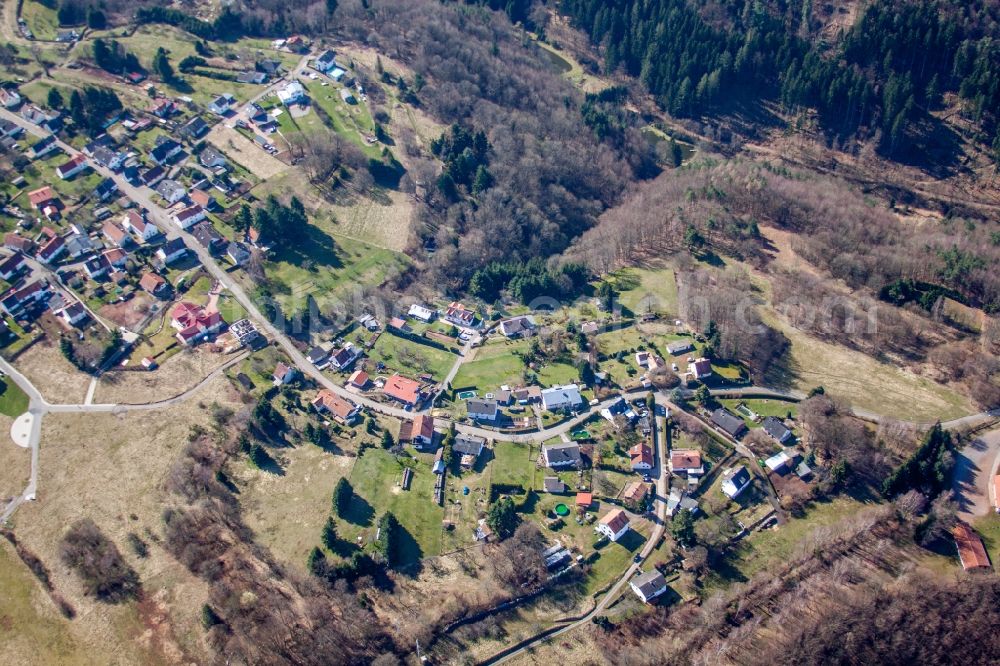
<point>972,482</point>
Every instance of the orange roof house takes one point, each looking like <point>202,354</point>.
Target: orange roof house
<point>403,389</point>
<point>970,548</point>
<point>584,499</point>
<point>341,409</point>
<point>41,196</point>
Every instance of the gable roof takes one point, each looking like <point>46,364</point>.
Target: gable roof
<point>683,459</point>
<point>402,388</point>
<point>41,195</point>
<point>728,421</point>
<point>970,547</point>
<point>635,491</point>
<point>616,520</point>
<point>561,452</point>
<point>333,403</point>
<point>641,453</point>
<point>776,428</point>
<point>468,444</point>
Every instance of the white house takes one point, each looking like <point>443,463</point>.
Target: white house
<point>74,166</point>
<point>734,481</point>
<point>649,585</point>
<point>222,104</point>
<point>614,524</point>
<point>293,93</point>
<point>482,410</point>
<point>283,374</point>
<point>172,250</point>
<point>188,217</point>
<point>146,231</point>
<point>561,455</point>
<point>561,397</point>
<point>422,313</point>
<point>700,368</point>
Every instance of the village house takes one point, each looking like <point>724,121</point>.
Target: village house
<point>116,257</point>
<point>251,76</point>
<point>9,98</point>
<point>12,241</point>
<point>560,398</point>
<point>77,245</point>
<point>52,250</point>
<point>342,359</point>
<point>735,480</point>
<point>680,347</point>
<point>319,357</point>
<point>729,423</point>
<point>700,368</point>
<point>152,176</point>
<point>324,62</point>
<point>97,267</point>
<point>292,93</point>
<point>562,455</point>
<point>44,146</point>
<point>635,493</point>
<point>9,129</point>
<point>421,431</point>
<point>211,158</point>
<point>71,167</point>
<point>171,251</point>
<point>458,315</point>
<point>73,314</point>
<point>421,313</point>
<point>161,108</point>
<point>108,158</point>
<point>777,429</point>
<point>134,222</point>
<point>238,253</point>
<point>152,283</point>
<point>686,462</point>
<point>553,484</point>
<point>526,395</point>
<point>470,447</point>
<point>105,189</point>
<point>194,323</point>
<point>614,524</point>
<point>188,217</point>
<point>518,327</point>
<point>194,129</point>
<point>971,552</point>
<point>222,104</point>
<point>642,457</point>
<point>403,389</point>
<point>649,585</point>
<point>342,410</point>
<point>16,301</point>
<point>358,379</point>
<point>202,198</point>
<point>283,374</point>
<point>171,190</point>
<point>11,266</point>
<point>678,500</point>
<point>482,410</point>
<point>164,151</point>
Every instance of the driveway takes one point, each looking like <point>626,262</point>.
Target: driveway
<point>975,467</point>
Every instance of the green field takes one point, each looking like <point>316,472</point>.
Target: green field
<point>514,464</point>
<point>410,357</point>
<point>375,479</point>
<point>646,289</point>
<point>13,401</point>
<point>495,365</point>
<point>558,374</point>
<point>779,408</point>
<point>41,20</point>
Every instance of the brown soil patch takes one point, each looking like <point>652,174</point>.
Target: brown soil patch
<point>129,313</point>
<point>178,374</point>
<point>55,378</point>
<point>245,152</point>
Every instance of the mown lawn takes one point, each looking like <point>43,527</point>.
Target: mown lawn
<point>495,365</point>
<point>410,357</point>
<point>41,20</point>
<point>558,374</point>
<point>514,464</point>
<point>376,477</point>
<point>13,401</point>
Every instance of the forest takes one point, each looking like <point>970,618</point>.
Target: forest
<point>889,71</point>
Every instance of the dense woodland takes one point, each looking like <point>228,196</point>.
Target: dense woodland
<point>882,80</point>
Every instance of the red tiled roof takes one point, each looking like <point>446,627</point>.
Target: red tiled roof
<point>642,453</point>
<point>970,548</point>
<point>333,403</point>
<point>681,459</point>
<point>634,492</point>
<point>359,378</point>
<point>151,282</point>
<point>40,196</point>
<point>423,426</point>
<point>584,499</point>
<point>615,520</point>
<point>71,164</point>
<point>114,232</point>
<point>403,389</point>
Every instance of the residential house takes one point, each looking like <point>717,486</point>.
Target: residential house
<point>342,358</point>
<point>324,62</point>
<point>222,104</point>
<point>9,129</point>
<point>614,524</point>
<point>238,253</point>
<point>109,159</point>
<point>251,76</point>
<point>700,368</point>
<point>686,462</point>
<point>161,108</point>
<point>97,267</point>
<point>678,500</point>
<point>17,243</point>
<point>780,463</point>
<point>71,167</point>
<point>194,323</point>
<point>422,431</point>
<point>36,116</point>
<point>9,98</point>
<point>319,357</point>
<point>16,301</point>
<point>482,410</point>
<point>164,151</point>
<point>43,147</point>
<point>52,250</point>
<point>562,455</point>
<point>619,407</point>
<point>729,423</point>
<point>73,314</point>
<point>526,395</point>
<point>150,177</point>
<point>342,410</point>
<point>338,74</point>
<point>735,480</point>
<point>171,190</point>
<point>400,324</point>
<point>777,429</point>
<point>188,217</point>
<point>208,237</point>
<point>458,315</point>
<point>172,250</point>
<point>422,313</point>
<point>403,389</point>
<point>11,266</point>
<point>470,447</point>
<point>211,158</point>
<point>635,493</point>
<point>134,222</point>
<point>971,552</point>
<point>561,397</point>
<point>245,332</point>
<point>649,585</point>
<point>584,500</point>
<point>202,198</point>
<point>642,457</point>
<point>269,67</point>
<point>283,374</point>
<point>679,347</point>
<point>78,245</point>
<point>105,189</point>
<point>116,256</point>
<point>358,379</point>
<point>518,327</point>
<point>292,93</point>
<point>194,129</point>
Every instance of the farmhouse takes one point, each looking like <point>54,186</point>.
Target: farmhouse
<point>614,524</point>
<point>562,455</point>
